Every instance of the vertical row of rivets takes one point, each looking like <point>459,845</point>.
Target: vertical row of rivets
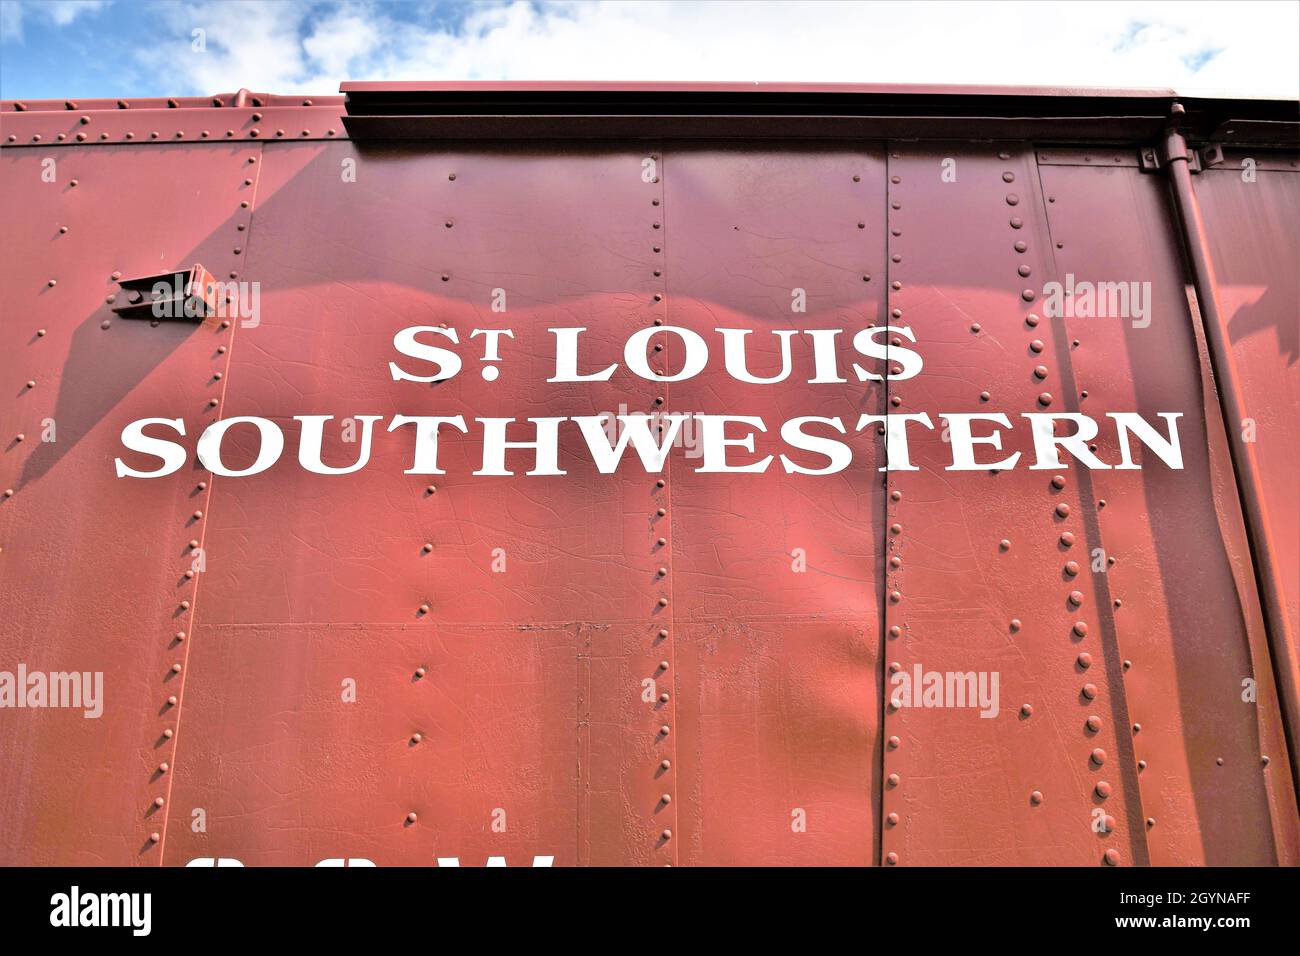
<point>661,636</point>
<point>891,805</point>
<point>1086,655</point>
<point>217,379</point>
<point>429,496</point>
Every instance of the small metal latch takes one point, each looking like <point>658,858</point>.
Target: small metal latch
<point>186,296</point>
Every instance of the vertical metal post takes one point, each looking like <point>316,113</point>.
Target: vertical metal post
<point>1245,465</point>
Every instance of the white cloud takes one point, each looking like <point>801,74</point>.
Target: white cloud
<point>290,47</point>
<point>58,12</point>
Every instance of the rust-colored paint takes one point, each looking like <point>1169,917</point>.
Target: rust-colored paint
<point>682,668</point>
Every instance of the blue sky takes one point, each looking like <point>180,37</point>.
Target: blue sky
<point>51,49</point>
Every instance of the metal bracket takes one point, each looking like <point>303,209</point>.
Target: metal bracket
<point>183,296</point>
<point>1150,160</point>
<point>1211,155</point>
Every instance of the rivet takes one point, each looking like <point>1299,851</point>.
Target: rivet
<point>9,492</point>
<point>665,765</point>
<point>1031,320</point>
<point>427,547</point>
<point>895,180</point>
<point>666,834</point>
<point>1118,602</point>
<point>1084,660</point>
<point>1076,598</point>
<point>895,597</point>
<point>663,635</point>
<point>169,733</point>
<point>159,801</point>
<point>895,631</point>
<point>663,602</point>
<point>1102,789</point>
<point>198,516</point>
<point>1127,664</point>
<point>189,573</point>
<point>1004,544</point>
<point>180,635</point>
<point>1063,510</point>
<point>661,512</point>
<point>1015,624</point>
<point>1036,345</point>
<point>1219,761</point>
<point>1026,710</point>
<point>212,402</point>
<point>1142,764</point>
<point>1071,568</point>
<point>429,489</point>
<point>1028,295</point>
<point>221,350</point>
<point>664,730</point>
<point>894,780</point>
<point>154,837</point>
<point>416,738</point>
<point>1094,723</point>
<point>1016,222</point>
<point>419,672</point>
<point>185,605</point>
<point>1098,756</point>
<point>105,324</point>
<point>1151,821</point>
<point>424,609</point>
<point>896,529</point>
<point>662,572</point>
<point>1012,199</point>
<point>895,562</point>
<point>985,396</point>
<point>892,819</point>
<point>663,698</point>
<point>895,667</point>
<point>661,542</point>
<point>896,495</point>
<point>411,817</point>
<point>1090,691</point>
<point>163,768</point>
<point>1137,728</point>
<point>1045,399</point>
<point>171,701</point>
<point>1036,797</point>
<point>1112,857</point>
<point>891,858</point>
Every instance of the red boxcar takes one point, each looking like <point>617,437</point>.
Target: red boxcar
<point>245,657</point>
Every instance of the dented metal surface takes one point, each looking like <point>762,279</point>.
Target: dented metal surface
<point>633,668</point>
